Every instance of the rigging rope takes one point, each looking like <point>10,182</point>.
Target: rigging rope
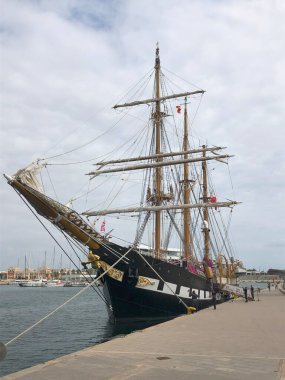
<point>146,78</point>
<point>98,291</point>
<point>95,289</point>
<point>86,144</point>
<point>56,197</point>
<point>152,268</point>
<point>70,299</point>
<point>184,80</point>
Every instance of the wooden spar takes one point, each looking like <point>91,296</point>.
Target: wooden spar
<point>186,192</point>
<point>158,208</point>
<point>64,218</point>
<point>157,164</point>
<point>159,98</point>
<point>192,151</point>
<point>205,210</point>
<point>158,173</point>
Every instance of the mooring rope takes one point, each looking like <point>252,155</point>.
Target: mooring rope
<point>70,299</point>
<point>176,295</point>
<point>63,250</point>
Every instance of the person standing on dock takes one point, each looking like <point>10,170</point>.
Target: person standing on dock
<point>252,292</point>
<point>245,293</point>
<point>214,297</point>
<point>258,293</point>
<point>195,299</point>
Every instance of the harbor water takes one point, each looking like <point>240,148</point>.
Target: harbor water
<point>256,285</point>
<point>81,323</point>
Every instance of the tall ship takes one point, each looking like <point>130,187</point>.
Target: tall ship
<point>178,253</point>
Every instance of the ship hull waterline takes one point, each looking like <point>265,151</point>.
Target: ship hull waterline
<point>164,295</point>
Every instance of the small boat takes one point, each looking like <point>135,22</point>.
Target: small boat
<point>54,283</point>
<point>75,284</point>
<point>36,283</point>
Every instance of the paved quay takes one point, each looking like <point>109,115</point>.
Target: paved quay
<point>237,341</point>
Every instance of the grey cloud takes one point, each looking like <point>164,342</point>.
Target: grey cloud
<point>63,64</point>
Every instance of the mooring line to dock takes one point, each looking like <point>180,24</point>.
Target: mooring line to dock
<point>70,299</point>
<point>188,309</point>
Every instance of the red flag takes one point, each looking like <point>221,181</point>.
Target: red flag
<point>102,228</point>
<point>178,109</point>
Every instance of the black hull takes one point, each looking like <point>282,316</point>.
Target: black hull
<point>134,304</point>
<point>165,293</point>
<point>131,302</point>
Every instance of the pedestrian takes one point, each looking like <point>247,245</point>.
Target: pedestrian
<point>258,293</point>
<point>268,286</point>
<point>194,296</point>
<point>214,297</point>
<point>245,293</point>
<point>252,292</point>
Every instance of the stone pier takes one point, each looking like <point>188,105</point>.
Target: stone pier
<point>238,341</point>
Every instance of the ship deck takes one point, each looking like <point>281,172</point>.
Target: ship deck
<point>238,340</point>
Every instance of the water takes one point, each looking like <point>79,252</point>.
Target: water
<point>81,323</point>
<point>260,285</point>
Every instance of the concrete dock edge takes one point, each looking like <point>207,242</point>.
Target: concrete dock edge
<point>238,341</point>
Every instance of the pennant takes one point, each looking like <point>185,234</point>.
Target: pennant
<point>178,109</point>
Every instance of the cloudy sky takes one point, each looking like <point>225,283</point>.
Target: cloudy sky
<point>64,63</point>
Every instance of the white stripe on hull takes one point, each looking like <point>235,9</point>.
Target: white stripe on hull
<point>170,288</point>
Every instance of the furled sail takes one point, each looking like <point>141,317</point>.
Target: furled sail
<point>28,175</point>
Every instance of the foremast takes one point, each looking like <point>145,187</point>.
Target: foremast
<point>188,245</point>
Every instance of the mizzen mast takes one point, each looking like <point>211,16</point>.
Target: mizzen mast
<point>205,210</point>
<point>186,192</point>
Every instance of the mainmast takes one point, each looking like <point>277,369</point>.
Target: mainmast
<point>157,201</point>
<point>186,191</point>
<point>158,170</point>
<point>205,210</point>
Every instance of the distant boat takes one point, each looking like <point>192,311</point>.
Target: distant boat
<point>17,282</point>
<point>71,284</point>
<point>54,283</point>
<point>36,283</point>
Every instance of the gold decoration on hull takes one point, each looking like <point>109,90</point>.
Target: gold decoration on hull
<point>112,272</point>
<point>116,274</point>
<point>143,281</point>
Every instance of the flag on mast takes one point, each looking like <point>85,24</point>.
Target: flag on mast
<point>178,109</point>
<point>102,228</point>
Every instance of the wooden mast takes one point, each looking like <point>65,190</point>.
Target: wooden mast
<point>205,210</point>
<point>186,191</point>
<point>158,170</point>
